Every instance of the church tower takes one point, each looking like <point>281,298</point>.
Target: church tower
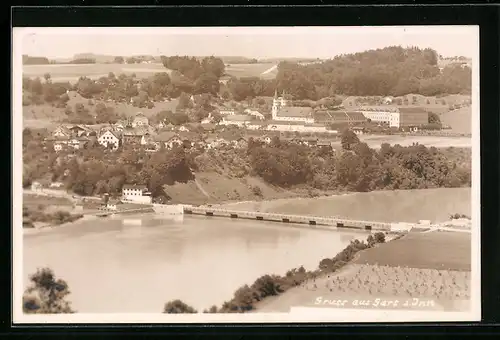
<point>276,105</point>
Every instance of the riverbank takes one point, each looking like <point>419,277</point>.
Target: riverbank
<point>380,275</point>
<point>48,227</point>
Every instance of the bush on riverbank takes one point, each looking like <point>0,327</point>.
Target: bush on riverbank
<point>271,285</point>
<point>46,294</point>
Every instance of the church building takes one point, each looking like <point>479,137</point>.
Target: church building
<point>282,112</point>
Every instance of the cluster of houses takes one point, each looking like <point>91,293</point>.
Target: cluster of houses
<point>137,130</point>
<point>285,117</point>
<point>138,133</point>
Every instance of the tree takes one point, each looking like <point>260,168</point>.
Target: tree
<point>47,77</point>
<point>178,307</point>
<point>46,294</point>
<point>119,60</point>
<point>348,139</point>
<point>434,118</point>
<point>214,66</point>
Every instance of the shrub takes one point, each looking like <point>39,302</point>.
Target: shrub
<point>257,191</point>
<point>457,216</point>
<point>178,307</point>
<point>46,295</point>
<point>379,237</point>
<point>212,309</point>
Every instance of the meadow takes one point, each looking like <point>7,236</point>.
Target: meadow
<point>421,270</point>
<point>434,251</point>
<point>252,70</point>
<point>459,120</point>
<point>71,72</point>
<point>45,115</point>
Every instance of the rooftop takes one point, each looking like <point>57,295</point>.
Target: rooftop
<point>165,136</point>
<point>295,112</point>
<point>238,118</point>
<point>135,186</point>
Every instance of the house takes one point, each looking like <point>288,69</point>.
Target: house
<point>147,140</point>
<point>109,139</point>
<point>358,130</point>
<point>133,136</point>
<point>113,205</point>
<point>387,100</point>
<point>36,186</point>
<point>79,130</point>
<point>189,139</point>
<point>140,120</point>
<point>227,111</point>
<point>62,132</point>
<point>238,120</point>
<point>169,139</point>
<point>78,143</point>
<point>255,113</point>
<point>136,193</point>
<point>310,141</point>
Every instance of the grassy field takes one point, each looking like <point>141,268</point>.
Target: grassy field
<point>459,120</point>
<point>435,250</point>
<point>252,70</point>
<point>46,204</point>
<point>71,72</point>
<point>428,271</point>
<point>431,104</point>
<point>34,115</point>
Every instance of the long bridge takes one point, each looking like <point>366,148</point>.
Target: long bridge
<point>104,213</point>
<point>287,218</point>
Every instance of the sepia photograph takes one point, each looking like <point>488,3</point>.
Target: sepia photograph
<point>246,174</point>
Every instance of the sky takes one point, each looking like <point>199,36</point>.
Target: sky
<point>254,42</point>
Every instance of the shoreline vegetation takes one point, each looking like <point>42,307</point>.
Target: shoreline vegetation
<point>246,297</point>
<point>38,219</point>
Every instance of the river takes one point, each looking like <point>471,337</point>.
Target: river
<point>112,266</point>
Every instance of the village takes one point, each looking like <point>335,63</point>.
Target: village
<point>314,126</point>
